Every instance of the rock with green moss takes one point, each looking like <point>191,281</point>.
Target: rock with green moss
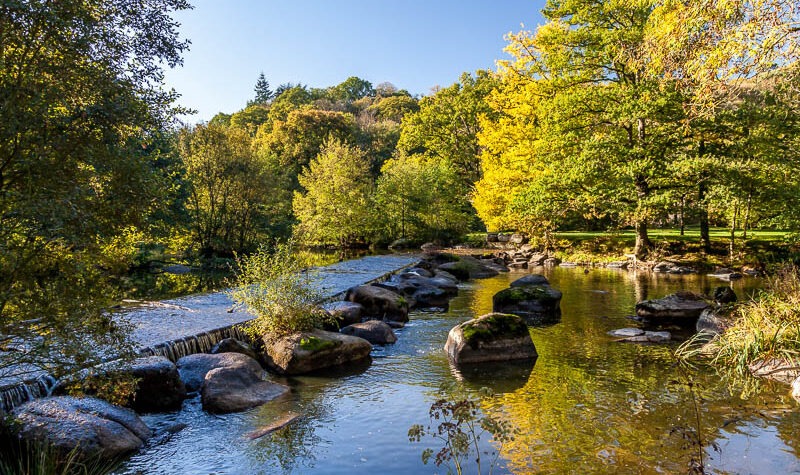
<point>491,337</point>
<point>310,351</point>
<point>538,304</point>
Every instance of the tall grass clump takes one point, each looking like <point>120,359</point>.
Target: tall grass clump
<point>766,328</point>
<point>277,287</point>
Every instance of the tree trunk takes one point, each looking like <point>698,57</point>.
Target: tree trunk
<point>705,235</point>
<point>643,243</point>
<point>683,211</point>
<point>746,223</point>
<point>732,247</point>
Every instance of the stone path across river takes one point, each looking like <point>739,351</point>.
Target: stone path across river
<point>194,314</point>
<point>169,320</point>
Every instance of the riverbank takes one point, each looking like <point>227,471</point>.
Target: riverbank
<point>755,250</point>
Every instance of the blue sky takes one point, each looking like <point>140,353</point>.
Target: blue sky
<point>414,44</point>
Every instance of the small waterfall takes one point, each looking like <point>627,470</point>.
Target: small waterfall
<point>200,343</point>
<point>15,395</point>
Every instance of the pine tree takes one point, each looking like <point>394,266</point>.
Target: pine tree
<point>263,92</point>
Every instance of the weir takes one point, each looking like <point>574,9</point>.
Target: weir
<point>194,324</point>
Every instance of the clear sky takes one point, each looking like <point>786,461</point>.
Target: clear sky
<point>414,44</point>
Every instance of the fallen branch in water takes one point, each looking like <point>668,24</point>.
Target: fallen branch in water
<point>279,424</point>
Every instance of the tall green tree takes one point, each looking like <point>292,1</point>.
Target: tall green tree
<point>81,93</point>
<point>419,198</point>
<point>230,200</point>
<point>591,110</point>
<point>336,201</point>
<point>263,93</point>
<point>447,125</point>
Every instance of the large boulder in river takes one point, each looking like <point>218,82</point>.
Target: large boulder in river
<point>530,279</point>
<point>159,385</point>
<point>678,306</point>
<point>345,313</point>
<point>93,427</point>
<point>491,337</point>
<point>374,331</point>
<point>468,267</point>
<point>538,304</point>
<point>310,351</point>
<point>379,302</point>
<point>237,386</point>
<point>422,292</point>
<point>193,368</point>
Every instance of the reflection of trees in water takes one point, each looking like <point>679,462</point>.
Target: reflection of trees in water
<point>588,418</point>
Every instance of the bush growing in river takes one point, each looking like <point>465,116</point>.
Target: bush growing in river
<point>767,327</point>
<point>276,286</point>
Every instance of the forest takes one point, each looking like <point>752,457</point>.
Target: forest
<point>610,116</point>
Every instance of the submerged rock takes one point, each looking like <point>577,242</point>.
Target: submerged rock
<point>491,337</point>
<point>374,331</point>
<point>681,305</point>
<point>648,337</point>
<point>93,427</point>
<point>310,351</point>
<point>626,332</point>
<point>379,302</point>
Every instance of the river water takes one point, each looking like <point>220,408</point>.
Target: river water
<point>589,405</point>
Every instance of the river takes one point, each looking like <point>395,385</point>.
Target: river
<point>589,405</point>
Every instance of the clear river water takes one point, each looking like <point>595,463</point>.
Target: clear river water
<point>588,405</point>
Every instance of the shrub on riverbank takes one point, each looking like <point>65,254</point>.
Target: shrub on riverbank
<point>276,286</point>
<point>767,327</point>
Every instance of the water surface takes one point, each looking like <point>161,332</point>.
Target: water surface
<point>589,405</point>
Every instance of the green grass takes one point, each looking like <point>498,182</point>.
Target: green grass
<point>760,247</point>
<point>765,328</point>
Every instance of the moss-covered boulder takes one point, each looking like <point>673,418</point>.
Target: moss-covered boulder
<point>311,351</point>
<point>491,337</point>
<point>538,304</point>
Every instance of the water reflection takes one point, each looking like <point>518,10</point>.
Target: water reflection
<point>587,405</point>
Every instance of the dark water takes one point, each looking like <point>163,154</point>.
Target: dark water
<point>589,405</point>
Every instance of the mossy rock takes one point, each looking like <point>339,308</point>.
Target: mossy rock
<point>491,337</point>
<point>311,351</point>
<point>539,304</point>
<point>312,344</point>
<point>493,326</point>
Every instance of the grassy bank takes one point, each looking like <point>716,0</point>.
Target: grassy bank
<point>756,248</point>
